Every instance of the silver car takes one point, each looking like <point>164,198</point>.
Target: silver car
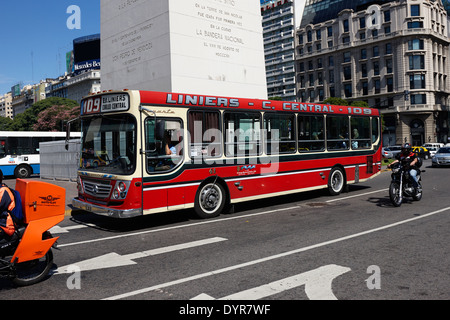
<point>441,158</point>
<point>391,151</point>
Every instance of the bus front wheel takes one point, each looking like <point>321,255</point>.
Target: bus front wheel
<point>210,200</point>
<point>22,172</point>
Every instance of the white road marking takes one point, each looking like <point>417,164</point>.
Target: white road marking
<point>357,195</point>
<point>63,230</point>
<point>318,285</point>
<point>113,260</point>
<point>273,257</point>
<point>58,229</point>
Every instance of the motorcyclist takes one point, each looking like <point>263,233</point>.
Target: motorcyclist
<point>409,160</point>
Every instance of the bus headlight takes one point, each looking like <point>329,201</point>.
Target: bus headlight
<point>120,190</point>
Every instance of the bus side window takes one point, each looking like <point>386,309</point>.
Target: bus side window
<point>310,133</point>
<point>2,148</point>
<point>163,144</point>
<point>337,133</point>
<point>360,131</point>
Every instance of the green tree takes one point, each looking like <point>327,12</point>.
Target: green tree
<point>361,104</point>
<point>5,123</point>
<point>336,101</point>
<point>26,121</point>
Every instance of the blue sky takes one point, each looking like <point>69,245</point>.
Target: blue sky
<point>38,28</point>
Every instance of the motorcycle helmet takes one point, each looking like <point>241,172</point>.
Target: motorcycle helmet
<point>406,148</point>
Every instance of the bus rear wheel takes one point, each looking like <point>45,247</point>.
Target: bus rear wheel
<point>210,200</point>
<point>22,172</point>
<point>336,181</point>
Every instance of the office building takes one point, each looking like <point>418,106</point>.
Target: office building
<point>393,56</point>
<point>279,23</point>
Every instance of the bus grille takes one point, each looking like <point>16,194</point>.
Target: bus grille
<point>97,189</point>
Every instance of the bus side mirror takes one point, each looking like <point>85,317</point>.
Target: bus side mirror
<point>68,133</point>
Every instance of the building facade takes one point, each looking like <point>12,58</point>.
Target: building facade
<point>278,32</point>
<point>6,109</point>
<point>394,56</point>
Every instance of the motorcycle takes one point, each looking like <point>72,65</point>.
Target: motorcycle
<point>26,257</point>
<point>402,185</point>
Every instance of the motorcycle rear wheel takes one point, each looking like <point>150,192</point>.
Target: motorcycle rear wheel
<point>32,272</point>
<point>394,194</point>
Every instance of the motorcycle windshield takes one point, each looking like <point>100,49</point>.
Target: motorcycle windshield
<point>108,144</point>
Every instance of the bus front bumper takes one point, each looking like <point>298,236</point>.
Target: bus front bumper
<point>108,212</point>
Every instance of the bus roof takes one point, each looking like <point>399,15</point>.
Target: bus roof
<point>192,100</point>
<point>211,101</point>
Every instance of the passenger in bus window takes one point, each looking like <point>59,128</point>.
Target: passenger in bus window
<point>169,148</point>
<point>355,136</point>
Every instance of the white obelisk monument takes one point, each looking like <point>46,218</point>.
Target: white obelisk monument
<point>212,47</point>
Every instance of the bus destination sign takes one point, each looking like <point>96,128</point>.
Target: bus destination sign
<point>106,103</point>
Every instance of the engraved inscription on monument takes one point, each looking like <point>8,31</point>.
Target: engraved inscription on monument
<point>197,46</point>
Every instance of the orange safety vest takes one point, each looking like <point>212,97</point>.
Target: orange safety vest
<point>9,226</point>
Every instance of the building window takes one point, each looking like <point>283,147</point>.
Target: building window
<point>363,54</point>
<point>310,65</point>
<point>330,31</point>
<point>415,24</point>
<point>417,81</point>
<point>347,56</point>
<point>362,36</point>
<point>387,16</point>
<point>365,90</point>
<point>330,61</point>
<point>345,40</point>
<point>416,62</point>
<point>387,29</point>
<point>300,39</point>
<point>348,90</point>
<point>364,70</point>
<point>345,25</point>
<point>309,35</point>
<point>389,66</point>
<point>390,84</point>
<point>418,99</point>
<point>331,76</point>
<point>376,84</point>
<point>319,63</point>
<point>301,66</point>
<point>415,10</point>
<point>330,44</point>
<point>332,92</point>
<point>362,22</point>
<point>318,34</point>
<point>415,44</point>
<point>374,33</point>
<point>311,80</point>
<point>321,95</point>
<point>320,78</point>
<point>347,73</point>
<point>376,68</point>
<point>376,51</point>
<point>388,48</point>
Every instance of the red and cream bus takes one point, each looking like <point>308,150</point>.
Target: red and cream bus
<point>146,152</point>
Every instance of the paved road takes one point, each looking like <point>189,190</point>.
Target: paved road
<point>355,246</point>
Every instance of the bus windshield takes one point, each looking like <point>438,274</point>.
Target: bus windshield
<point>109,144</point>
